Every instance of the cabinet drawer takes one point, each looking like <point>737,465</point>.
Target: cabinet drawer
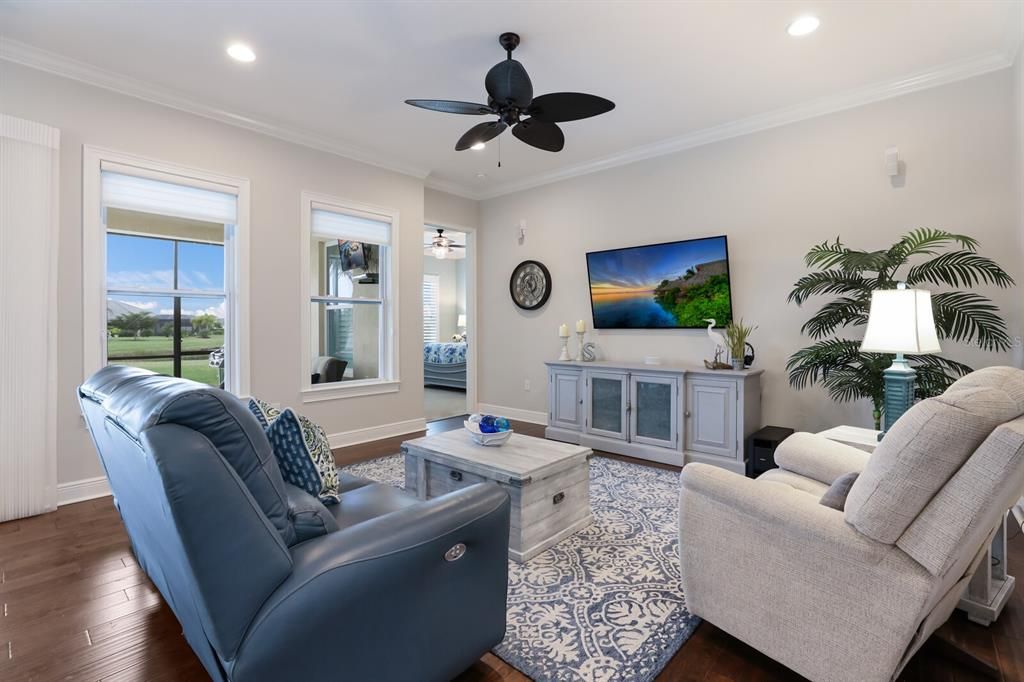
<point>443,479</point>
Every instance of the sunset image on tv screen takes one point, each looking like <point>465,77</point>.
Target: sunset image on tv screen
<point>674,285</point>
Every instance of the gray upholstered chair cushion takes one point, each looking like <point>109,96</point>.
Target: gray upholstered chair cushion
<point>811,486</point>
<point>925,447</point>
<point>835,496</point>
<point>814,456</point>
<point>964,506</point>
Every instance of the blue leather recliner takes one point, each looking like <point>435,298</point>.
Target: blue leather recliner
<point>269,584</point>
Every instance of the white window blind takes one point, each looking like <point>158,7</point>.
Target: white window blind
<point>135,193</point>
<point>431,308</point>
<point>351,227</point>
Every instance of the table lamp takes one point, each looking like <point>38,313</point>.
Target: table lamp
<point>900,321</point>
<point>461,323</point>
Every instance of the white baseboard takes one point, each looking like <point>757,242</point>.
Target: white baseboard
<point>80,491</point>
<point>514,413</point>
<point>372,433</point>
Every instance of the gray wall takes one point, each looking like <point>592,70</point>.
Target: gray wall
<point>278,172</point>
<point>774,194</point>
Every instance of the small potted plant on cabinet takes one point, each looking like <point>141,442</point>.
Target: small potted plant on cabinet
<point>736,335</point>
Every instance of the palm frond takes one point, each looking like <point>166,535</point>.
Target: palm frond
<point>935,373</point>
<point>828,255</point>
<point>840,312</point>
<point>967,316</point>
<point>924,240</point>
<point>828,282</point>
<point>808,365</point>
<point>959,268</point>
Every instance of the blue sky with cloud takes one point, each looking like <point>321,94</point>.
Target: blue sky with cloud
<point>144,262</point>
<point>644,267</point>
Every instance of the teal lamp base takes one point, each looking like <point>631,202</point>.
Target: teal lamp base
<point>899,391</point>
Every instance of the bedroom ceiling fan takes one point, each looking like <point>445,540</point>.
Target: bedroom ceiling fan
<point>510,97</point>
<point>440,246</point>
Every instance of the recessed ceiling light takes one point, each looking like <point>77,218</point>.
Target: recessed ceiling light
<point>478,146</point>
<point>802,26</point>
<point>481,176</point>
<point>241,52</point>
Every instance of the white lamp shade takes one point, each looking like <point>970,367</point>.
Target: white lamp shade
<point>462,321</point>
<point>901,321</point>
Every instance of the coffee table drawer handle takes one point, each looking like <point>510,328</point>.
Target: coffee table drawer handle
<point>456,475</point>
<point>455,553</point>
<point>557,498</point>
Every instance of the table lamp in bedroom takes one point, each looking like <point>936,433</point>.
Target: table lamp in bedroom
<point>900,321</point>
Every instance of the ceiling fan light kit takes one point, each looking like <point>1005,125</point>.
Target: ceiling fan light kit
<point>510,97</point>
<point>442,245</point>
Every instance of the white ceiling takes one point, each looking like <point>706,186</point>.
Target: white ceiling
<point>334,74</point>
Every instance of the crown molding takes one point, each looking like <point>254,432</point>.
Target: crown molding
<point>949,73</point>
<point>451,188</point>
<point>66,67</point>
<point>44,60</point>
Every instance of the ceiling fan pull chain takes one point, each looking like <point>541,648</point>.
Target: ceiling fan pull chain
<point>499,152</point>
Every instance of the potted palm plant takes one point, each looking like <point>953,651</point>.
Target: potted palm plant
<point>736,335</point>
<point>924,258</point>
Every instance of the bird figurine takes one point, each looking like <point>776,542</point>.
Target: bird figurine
<point>719,349</point>
<point>715,337</point>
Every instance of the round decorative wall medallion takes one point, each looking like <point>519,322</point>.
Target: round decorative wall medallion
<point>530,285</point>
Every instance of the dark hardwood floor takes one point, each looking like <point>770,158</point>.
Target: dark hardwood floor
<point>76,606</point>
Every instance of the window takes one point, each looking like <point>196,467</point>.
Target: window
<point>431,308</point>
<point>164,254</point>
<point>350,327</point>
<point>166,303</point>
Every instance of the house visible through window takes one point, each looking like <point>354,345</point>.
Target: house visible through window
<point>431,308</point>
<point>166,289</point>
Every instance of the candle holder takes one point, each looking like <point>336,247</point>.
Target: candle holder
<point>564,357</point>
<point>579,355</point>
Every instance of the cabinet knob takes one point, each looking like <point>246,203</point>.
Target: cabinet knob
<point>686,414</point>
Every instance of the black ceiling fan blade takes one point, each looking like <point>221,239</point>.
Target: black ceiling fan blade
<point>508,84</point>
<point>540,134</point>
<point>447,106</point>
<point>481,132</point>
<point>568,106</point>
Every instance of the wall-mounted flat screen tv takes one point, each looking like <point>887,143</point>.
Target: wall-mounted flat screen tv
<point>676,285</point>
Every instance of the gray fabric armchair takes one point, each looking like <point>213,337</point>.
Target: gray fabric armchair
<point>269,584</point>
<point>851,595</point>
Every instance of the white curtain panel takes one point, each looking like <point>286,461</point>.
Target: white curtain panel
<point>29,156</point>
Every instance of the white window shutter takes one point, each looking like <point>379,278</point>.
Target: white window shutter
<point>431,308</point>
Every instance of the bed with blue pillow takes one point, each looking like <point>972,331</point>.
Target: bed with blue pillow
<point>444,364</point>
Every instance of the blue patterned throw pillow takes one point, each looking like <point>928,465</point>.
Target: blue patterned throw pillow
<point>265,412</point>
<point>304,455</point>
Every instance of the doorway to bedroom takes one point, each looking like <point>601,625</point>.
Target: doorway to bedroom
<point>446,342</point>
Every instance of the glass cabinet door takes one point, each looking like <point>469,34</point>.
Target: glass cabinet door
<point>608,397</point>
<point>654,407</point>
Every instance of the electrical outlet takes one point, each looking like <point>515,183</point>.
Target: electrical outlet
<point>526,384</point>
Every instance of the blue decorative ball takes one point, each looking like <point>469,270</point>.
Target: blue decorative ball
<point>488,425</point>
<point>502,424</point>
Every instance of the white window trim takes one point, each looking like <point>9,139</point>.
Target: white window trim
<point>94,252</point>
<point>389,381</point>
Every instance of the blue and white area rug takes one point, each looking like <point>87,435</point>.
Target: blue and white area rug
<point>605,605</point>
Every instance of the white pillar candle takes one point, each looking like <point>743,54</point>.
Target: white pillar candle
<point>581,327</point>
<point>563,331</point>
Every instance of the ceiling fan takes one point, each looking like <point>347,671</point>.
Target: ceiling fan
<point>440,246</point>
<point>510,97</point>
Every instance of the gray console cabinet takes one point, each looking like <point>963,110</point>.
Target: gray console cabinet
<point>664,413</point>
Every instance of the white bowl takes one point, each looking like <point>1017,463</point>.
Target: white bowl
<point>491,439</point>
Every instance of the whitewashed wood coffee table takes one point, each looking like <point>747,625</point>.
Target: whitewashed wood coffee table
<point>549,482</point>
